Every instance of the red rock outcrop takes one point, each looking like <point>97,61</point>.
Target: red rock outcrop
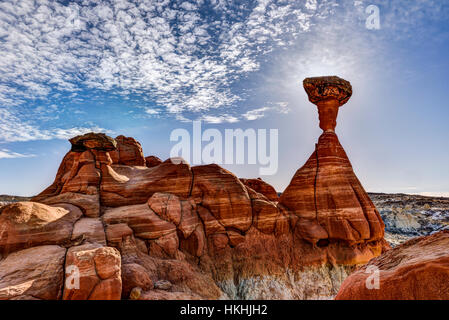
<point>30,224</point>
<point>79,175</point>
<point>416,270</point>
<point>224,195</point>
<point>325,194</point>
<point>126,185</point>
<point>97,275</point>
<point>33,273</point>
<point>129,152</point>
<point>152,161</point>
<point>262,187</point>
<point>145,229</point>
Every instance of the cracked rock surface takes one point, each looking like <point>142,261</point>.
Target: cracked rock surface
<point>170,231</point>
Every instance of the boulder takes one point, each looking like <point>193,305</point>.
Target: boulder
<point>29,224</point>
<point>223,195</point>
<point>91,229</point>
<point>416,270</point>
<point>134,275</point>
<point>144,222</point>
<point>262,187</point>
<point>95,273</point>
<point>152,161</point>
<point>98,141</point>
<point>128,152</point>
<point>33,273</point>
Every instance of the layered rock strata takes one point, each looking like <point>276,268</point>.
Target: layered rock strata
<point>416,270</point>
<point>142,228</point>
<point>331,205</point>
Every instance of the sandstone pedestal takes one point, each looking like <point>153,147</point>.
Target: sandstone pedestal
<point>325,194</point>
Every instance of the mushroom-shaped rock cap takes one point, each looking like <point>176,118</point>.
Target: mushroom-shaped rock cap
<point>92,140</point>
<point>325,88</point>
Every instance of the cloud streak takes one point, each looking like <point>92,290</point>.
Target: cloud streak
<point>13,129</point>
<point>7,154</point>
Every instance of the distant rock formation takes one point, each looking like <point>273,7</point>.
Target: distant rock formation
<point>141,228</point>
<point>416,270</point>
<point>7,199</point>
<point>408,216</point>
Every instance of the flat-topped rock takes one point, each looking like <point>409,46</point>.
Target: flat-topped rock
<point>91,140</point>
<point>325,88</point>
<point>329,94</point>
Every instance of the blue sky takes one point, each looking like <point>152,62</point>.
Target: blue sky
<point>144,68</point>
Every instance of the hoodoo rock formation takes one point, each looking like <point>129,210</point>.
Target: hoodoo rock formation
<point>142,228</point>
<point>325,194</point>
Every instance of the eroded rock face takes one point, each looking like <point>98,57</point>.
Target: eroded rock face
<point>30,224</point>
<point>79,175</point>
<point>152,161</point>
<point>224,195</point>
<point>99,273</point>
<point>329,199</point>
<point>325,194</point>
<point>210,235</point>
<point>33,273</point>
<point>129,152</point>
<point>262,187</point>
<point>126,185</point>
<point>416,270</point>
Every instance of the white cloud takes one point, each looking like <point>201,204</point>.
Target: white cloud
<point>255,114</point>
<point>219,119</point>
<point>7,154</point>
<point>181,57</point>
<point>13,129</point>
<point>151,111</point>
<point>280,107</point>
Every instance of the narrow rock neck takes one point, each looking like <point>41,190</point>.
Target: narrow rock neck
<point>328,112</point>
